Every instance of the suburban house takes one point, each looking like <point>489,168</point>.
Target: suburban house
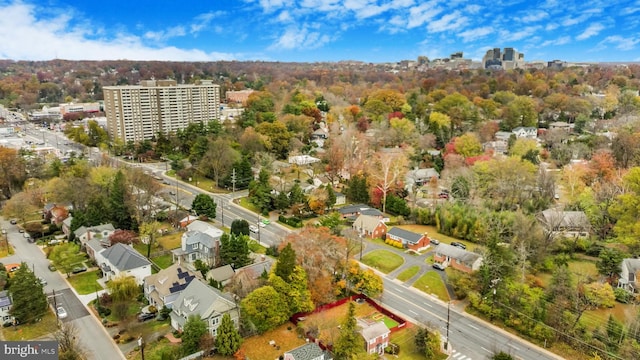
<point>376,336</point>
<point>66,226</point>
<point>100,232</point>
<point>503,136</point>
<point>210,304</point>
<point>463,260</point>
<point>221,274</point>
<point>629,273</point>
<point>5,306</point>
<point>409,239</point>
<point>341,199</point>
<point>565,223</point>
<point>522,132</point>
<point>94,246</point>
<point>308,351</point>
<point>123,260</point>
<point>351,212</point>
<point>55,214</point>
<point>370,227</point>
<point>200,241</point>
<point>561,125</point>
<point>164,287</point>
<point>499,147</point>
<point>187,220</point>
<point>261,265</point>
<point>419,177</point>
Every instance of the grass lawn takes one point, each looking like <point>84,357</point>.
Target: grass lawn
<point>431,283</point>
<point>577,267</point>
<point>254,247</point>
<point>47,326</point>
<point>257,347</point>
<point>409,273</point>
<point>171,241</point>
<point>163,261</point>
<point>405,338</point>
<point>154,350</point>
<point>433,233</point>
<point>245,203</point>
<point>383,260</point>
<point>4,252</point>
<point>85,283</point>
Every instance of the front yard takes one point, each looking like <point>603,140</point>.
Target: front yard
<point>45,327</point>
<point>431,283</point>
<point>85,283</point>
<point>383,260</point>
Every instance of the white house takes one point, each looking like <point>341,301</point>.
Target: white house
<point>200,241</point>
<point>5,306</point>
<point>123,260</point>
<point>523,132</point>
<point>102,232</point>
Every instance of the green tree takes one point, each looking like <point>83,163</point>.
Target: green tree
<point>296,195</point>
<point>265,308</point>
<point>333,221</point>
<point>260,191</point>
<point>427,342</point>
<point>123,288</point>
<point>234,250</point>
<point>193,332</point>
<point>357,189</point>
<point>66,257</point>
<point>228,339</point>
<point>331,197</point>
<point>149,232</point>
<point>286,263</point>
<point>240,227</point>
<point>626,211</point>
<point>204,205</point>
<point>296,291</point>
<point>281,202</point>
<point>120,213</point>
<point>609,263</point>
<point>349,343</point>
<point>29,300</point>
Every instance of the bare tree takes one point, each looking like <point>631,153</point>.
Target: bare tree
<point>387,171</point>
<point>69,346</point>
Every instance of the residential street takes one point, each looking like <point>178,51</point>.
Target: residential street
<point>93,336</point>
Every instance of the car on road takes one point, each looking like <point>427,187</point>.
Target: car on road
<point>61,312</point>
<point>172,193</point>
<point>434,241</point>
<point>21,230</point>
<point>52,267</point>
<point>26,235</point>
<point>42,281</point>
<point>438,266</point>
<point>265,221</point>
<point>459,245</point>
<point>145,316</point>
<point>78,269</point>
<point>13,221</point>
<point>253,228</point>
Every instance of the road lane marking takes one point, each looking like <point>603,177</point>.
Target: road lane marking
<point>513,346</point>
<point>473,327</point>
<point>413,312</point>
<point>400,291</point>
<point>490,352</point>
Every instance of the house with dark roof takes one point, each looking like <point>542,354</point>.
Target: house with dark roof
<point>370,226</point>
<point>463,260</point>
<point>376,336</point>
<point>308,351</point>
<point>164,287</point>
<point>418,177</point>
<point>200,241</point>
<point>629,273</point>
<point>409,239</point>
<point>95,246</point>
<point>207,303</point>
<point>5,305</point>
<point>352,211</point>
<point>123,260</point>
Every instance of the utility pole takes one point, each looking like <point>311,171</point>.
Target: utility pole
<point>494,285</point>
<point>446,345</point>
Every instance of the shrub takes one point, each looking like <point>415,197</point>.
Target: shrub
<point>622,295</point>
<point>393,349</point>
<point>293,221</point>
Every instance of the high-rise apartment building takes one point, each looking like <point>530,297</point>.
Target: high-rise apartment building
<point>139,112</point>
<point>507,59</point>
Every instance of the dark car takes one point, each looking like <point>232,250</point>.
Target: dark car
<point>146,316</point>
<point>13,221</point>
<point>78,269</point>
<point>438,266</point>
<point>460,245</point>
<point>52,267</point>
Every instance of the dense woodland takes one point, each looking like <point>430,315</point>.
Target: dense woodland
<point>381,124</point>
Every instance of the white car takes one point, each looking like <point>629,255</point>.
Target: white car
<point>62,313</point>
<point>253,228</point>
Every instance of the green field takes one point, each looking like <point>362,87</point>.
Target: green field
<point>383,260</point>
<point>431,283</point>
<point>408,273</point>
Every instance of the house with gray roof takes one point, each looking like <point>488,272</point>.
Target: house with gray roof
<point>101,232</point>
<point>629,273</point>
<point>418,177</point>
<point>206,302</point>
<point>308,351</point>
<point>409,239</point>
<point>123,260</point>
<point>351,212</point>
<point>221,274</point>
<point>164,287</point>
<point>463,260</point>
<point>5,305</point>
<point>557,222</point>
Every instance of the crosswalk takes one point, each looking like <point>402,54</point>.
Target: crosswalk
<point>459,356</point>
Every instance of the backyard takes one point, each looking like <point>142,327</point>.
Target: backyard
<point>383,260</point>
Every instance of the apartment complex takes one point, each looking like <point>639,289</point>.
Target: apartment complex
<point>139,112</point>
<point>507,59</point>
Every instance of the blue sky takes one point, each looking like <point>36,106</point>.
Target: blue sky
<point>317,30</point>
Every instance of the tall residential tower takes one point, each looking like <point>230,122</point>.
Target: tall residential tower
<point>139,112</point>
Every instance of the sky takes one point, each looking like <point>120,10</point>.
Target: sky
<point>373,31</point>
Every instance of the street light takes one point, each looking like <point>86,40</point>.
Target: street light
<point>141,345</point>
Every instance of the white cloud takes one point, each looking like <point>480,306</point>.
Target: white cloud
<point>551,26</point>
<point>285,16</point>
<point>202,21</point>
<point>519,35</point>
<point>451,21</point>
<point>422,13</point>
<point>534,16</point>
<point>593,30</point>
<point>475,34</point>
<point>556,42</point>
<point>169,33</point>
<point>621,43</point>
<point>473,9</point>
<point>269,6</point>
<point>299,38</point>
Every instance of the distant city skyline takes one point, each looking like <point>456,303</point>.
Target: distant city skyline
<point>374,31</point>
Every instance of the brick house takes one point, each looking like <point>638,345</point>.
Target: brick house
<point>376,336</point>
<point>409,239</point>
<point>457,258</point>
<point>370,226</point>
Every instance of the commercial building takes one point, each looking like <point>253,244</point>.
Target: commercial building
<point>136,113</point>
<point>507,59</point>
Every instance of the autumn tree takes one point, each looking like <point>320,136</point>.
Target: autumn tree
<point>467,145</point>
<point>265,308</point>
<point>503,181</point>
<point>126,237</point>
<point>12,171</point>
<point>295,290</point>
<point>364,281</point>
<point>626,211</point>
<point>219,159</point>
<point>20,207</point>
<point>68,338</point>
<point>148,233</point>
<point>387,172</point>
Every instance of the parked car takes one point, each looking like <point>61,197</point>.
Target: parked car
<point>253,228</point>
<point>435,241</point>
<point>42,281</point>
<point>13,221</point>
<point>266,221</point>
<point>62,313</point>
<point>78,269</point>
<point>21,230</point>
<point>26,235</point>
<point>52,267</point>
<point>145,316</point>
<point>438,266</point>
<point>459,244</point>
